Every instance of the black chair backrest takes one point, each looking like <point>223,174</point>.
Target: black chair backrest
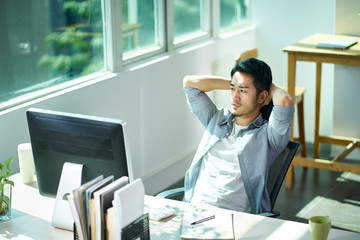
<point>278,170</point>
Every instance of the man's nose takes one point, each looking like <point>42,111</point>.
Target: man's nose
<point>237,95</point>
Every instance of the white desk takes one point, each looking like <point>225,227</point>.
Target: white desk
<point>32,216</point>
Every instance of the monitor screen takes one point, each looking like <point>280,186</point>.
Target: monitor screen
<point>97,143</point>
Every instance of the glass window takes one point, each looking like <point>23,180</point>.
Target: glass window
<point>48,43</point>
<point>45,43</point>
<point>140,27</point>
<point>233,13</point>
<point>189,19</point>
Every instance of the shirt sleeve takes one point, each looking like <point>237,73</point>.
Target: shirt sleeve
<point>279,128</point>
<point>200,104</point>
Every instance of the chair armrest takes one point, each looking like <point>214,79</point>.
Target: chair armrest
<point>171,193</point>
<point>272,214</point>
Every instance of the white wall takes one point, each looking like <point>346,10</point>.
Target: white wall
<point>347,80</point>
<point>281,23</point>
<point>163,134</point>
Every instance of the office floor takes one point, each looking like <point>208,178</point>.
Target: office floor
<point>320,192</point>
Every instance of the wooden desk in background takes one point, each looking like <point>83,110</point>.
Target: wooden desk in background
<point>32,220</point>
<point>306,50</point>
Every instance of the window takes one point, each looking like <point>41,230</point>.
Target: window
<point>45,43</point>
<point>233,14</point>
<point>190,19</point>
<point>141,33</point>
<point>50,45</point>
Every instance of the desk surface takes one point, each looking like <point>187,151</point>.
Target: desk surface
<point>308,46</point>
<point>32,215</point>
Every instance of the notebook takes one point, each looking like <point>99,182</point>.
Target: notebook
<point>338,43</point>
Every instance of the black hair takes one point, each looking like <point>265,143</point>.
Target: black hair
<point>258,69</point>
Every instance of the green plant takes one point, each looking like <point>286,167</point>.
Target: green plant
<point>5,172</point>
<point>76,48</point>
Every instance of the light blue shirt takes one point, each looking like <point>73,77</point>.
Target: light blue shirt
<point>219,182</point>
<point>264,142</point>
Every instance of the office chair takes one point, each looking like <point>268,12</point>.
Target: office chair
<point>276,176</point>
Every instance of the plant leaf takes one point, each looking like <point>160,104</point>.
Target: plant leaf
<point>11,183</point>
<point>8,162</point>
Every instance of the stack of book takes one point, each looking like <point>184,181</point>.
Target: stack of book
<point>103,207</point>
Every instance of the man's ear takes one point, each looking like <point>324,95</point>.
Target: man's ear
<point>263,96</point>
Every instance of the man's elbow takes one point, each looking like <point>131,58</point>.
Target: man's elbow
<point>287,101</point>
<point>186,81</point>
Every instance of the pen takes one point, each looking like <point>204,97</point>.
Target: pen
<point>203,220</point>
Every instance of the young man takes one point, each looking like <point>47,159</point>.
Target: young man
<point>230,167</point>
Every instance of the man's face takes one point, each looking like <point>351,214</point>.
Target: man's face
<point>244,100</point>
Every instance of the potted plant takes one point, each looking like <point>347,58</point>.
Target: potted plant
<point>5,189</point>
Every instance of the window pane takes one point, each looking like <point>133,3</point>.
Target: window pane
<point>188,18</point>
<point>139,25</point>
<point>45,43</point>
<point>233,13</point>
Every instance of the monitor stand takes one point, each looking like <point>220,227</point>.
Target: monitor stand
<point>70,179</point>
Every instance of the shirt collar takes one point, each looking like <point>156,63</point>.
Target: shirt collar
<point>258,121</point>
<point>254,124</point>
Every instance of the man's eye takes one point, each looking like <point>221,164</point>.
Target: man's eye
<point>243,91</point>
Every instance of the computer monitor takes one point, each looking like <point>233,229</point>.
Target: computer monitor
<point>99,144</point>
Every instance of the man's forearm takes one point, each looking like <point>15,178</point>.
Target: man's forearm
<point>206,83</point>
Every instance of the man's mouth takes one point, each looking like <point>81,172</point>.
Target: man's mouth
<point>235,105</point>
